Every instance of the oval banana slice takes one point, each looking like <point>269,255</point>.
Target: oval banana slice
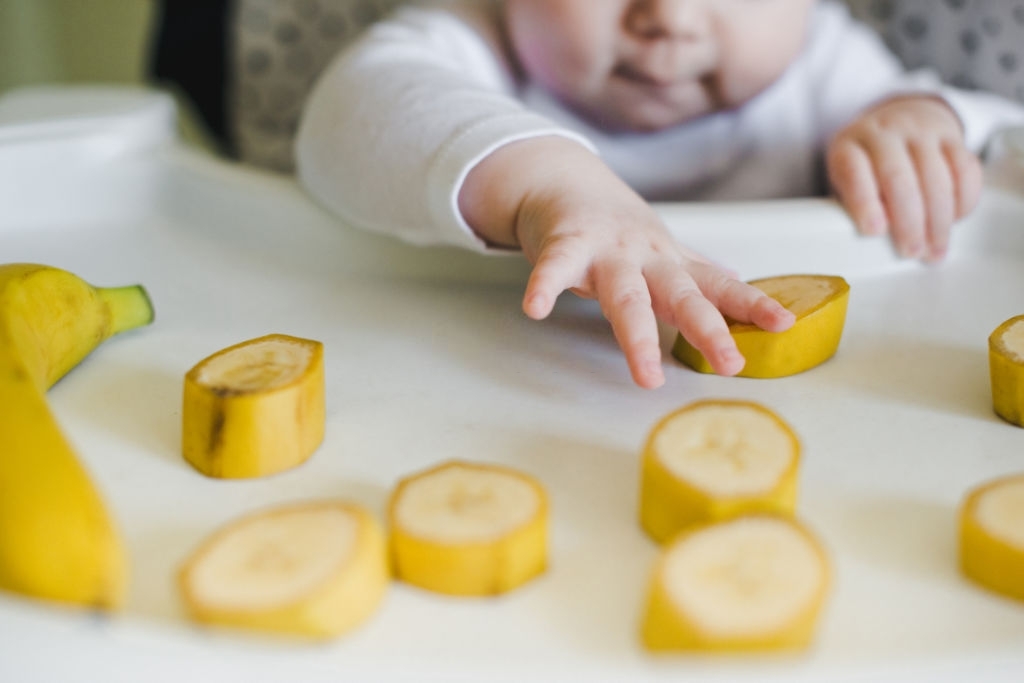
<point>1006,367</point>
<point>819,304</point>
<point>752,583</point>
<point>255,408</point>
<point>314,569</point>
<point>712,460</point>
<point>468,529</point>
<point>992,536</point>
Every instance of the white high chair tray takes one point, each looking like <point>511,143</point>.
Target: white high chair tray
<point>429,358</point>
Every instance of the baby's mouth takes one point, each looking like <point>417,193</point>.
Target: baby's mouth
<point>630,73</point>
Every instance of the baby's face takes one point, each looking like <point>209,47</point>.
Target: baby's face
<point>649,64</point>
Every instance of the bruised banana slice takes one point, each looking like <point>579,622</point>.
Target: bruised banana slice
<point>1006,366</point>
<point>468,529</point>
<point>992,536</point>
<point>713,460</point>
<point>819,304</point>
<point>315,570</point>
<point>255,408</point>
<point>751,583</point>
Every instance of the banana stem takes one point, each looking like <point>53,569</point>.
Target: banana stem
<point>130,307</point>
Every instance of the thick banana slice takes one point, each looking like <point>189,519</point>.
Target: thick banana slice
<point>255,408</point>
<point>314,569</point>
<point>468,529</point>
<point>992,536</point>
<point>751,583</point>
<point>712,460</point>
<point>819,304</point>
<point>1006,367</point>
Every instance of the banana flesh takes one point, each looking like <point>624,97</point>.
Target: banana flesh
<point>715,459</point>
<point>992,536</point>
<point>751,583</point>
<point>57,539</point>
<point>1006,368</point>
<point>314,570</point>
<point>819,303</point>
<point>468,529</point>
<point>256,408</point>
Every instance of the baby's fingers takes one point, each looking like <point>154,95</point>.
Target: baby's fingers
<point>626,302</point>
<point>740,301</point>
<point>901,191</point>
<point>938,192</point>
<point>853,178</point>
<point>559,267</point>
<point>679,301</point>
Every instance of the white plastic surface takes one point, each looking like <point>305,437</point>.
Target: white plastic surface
<point>429,358</point>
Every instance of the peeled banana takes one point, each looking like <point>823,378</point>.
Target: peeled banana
<point>1006,367</point>
<point>752,583</point>
<point>57,540</point>
<point>819,304</point>
<point>716,459</point>
<point>316,570</point>
<point>992,536</point>
<point>468,529</point>
<point>255,408</point>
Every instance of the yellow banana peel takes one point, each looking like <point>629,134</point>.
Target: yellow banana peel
<point>819,303</point>
<point>255,408</point>
<point>57,539</point>
<point>468,529</point>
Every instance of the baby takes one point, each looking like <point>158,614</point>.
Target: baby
<point>547,126</point>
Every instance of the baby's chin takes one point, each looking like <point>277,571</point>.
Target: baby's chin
<point>645,119</point>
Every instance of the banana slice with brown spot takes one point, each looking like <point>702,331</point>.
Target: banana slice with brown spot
<point>255,408</point>
<point>468,529</point>
<point>716,459</point>
<point>314,569</point>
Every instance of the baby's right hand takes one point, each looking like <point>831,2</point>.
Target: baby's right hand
<point>586,231</point>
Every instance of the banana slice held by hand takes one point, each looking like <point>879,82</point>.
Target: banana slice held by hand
<point>256,408</point>
<point>713,460</point>
<point>751,583</point>
<point>819,304</point>
<point>316,570</point>
<point>468,529</point>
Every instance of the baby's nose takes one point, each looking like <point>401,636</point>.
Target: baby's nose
<point>679,19</point>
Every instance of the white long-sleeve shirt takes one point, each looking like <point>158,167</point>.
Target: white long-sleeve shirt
<point>397,121</point>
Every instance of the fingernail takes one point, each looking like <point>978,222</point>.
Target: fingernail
<point>915,250</point>
<point>875,225</point>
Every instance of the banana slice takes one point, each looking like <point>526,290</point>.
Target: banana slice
<point>712,460</point>
<point>314,569</point>
<point>819,304</point>
<point>992,536</point>
<point>752,583</point>
<point>255,408</point>
<point>468,529</point>
<point>1006,367</point>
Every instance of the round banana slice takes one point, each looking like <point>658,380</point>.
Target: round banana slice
<point>992,536</point>
<point>819,304</point>
<point>255,408</point>
<point>468,529</point>
<point>712,460</point>
<point>314,569</point>
<point>751,583</point>
<point>1006,367</point>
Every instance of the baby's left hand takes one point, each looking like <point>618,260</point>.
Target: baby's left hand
<point>902,168</point>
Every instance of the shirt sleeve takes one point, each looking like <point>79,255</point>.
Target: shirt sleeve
<point>851,70</point>
<point>396,122</point>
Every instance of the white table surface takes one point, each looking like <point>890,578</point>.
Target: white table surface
<point>429,358</point>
